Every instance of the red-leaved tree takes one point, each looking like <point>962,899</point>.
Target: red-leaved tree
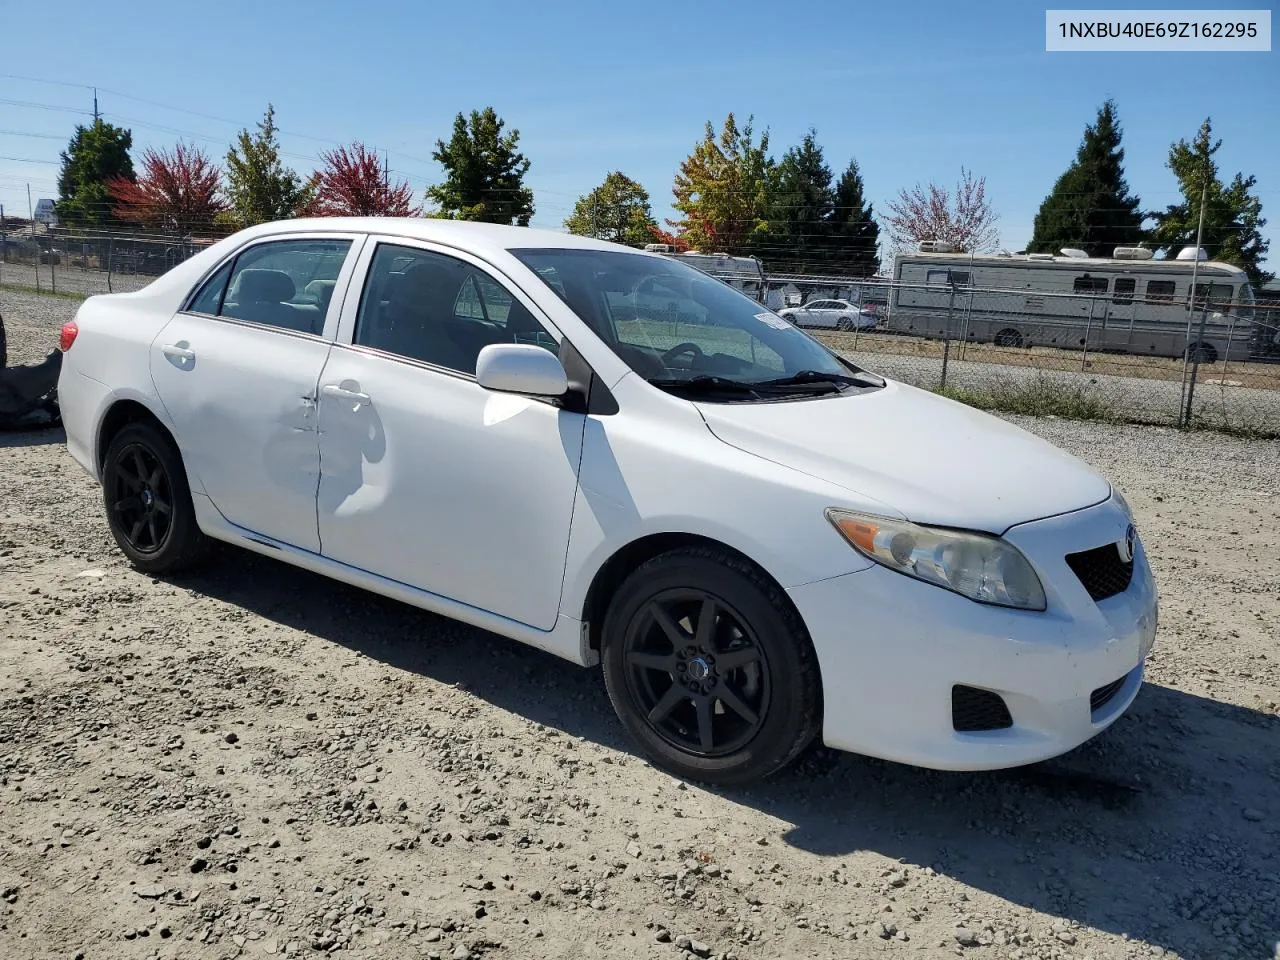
<point>920,214</point>
<point>353,183</point>
<point>667,237</point>
<point>178,191</point>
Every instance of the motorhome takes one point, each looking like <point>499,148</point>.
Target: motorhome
<point>1126,303</point>
<point>742,273</point>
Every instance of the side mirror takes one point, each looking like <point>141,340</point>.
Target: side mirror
<point>521,368</point>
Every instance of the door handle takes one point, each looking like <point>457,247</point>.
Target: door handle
<point>175,352</point>
<point>342,393</point>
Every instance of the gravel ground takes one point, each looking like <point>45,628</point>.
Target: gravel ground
<point>255,760</point>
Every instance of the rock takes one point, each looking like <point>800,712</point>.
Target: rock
<point>460,953</point>
<point>683,942</point>
<point>1066,936</point>
<point>1253,815</point>
<point>662,935</point>
<point>231,736</point>
<point>151,891</point>
<point>965,937</point>
<point>633,849</point>
<point>204,843</point>
<point>699,948</point>
<point>433,935</point>
<point>197,864</point>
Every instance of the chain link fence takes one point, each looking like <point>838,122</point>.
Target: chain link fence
<point>87,262</point>
<point>1112,356</point>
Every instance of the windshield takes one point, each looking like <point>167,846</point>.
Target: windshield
<point>673,324</point>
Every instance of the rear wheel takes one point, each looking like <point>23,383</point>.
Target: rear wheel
<point>1201,352</point>
<point>709,668</point>
<point>844,323</point>
<point>1008,337</point>
<point>148,502</point>
<point>4,347</point>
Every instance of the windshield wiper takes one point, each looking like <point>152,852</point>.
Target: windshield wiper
<point>840,380</point>
<point>705,383</point>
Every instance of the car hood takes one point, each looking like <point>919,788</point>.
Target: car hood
<point>933,459</point>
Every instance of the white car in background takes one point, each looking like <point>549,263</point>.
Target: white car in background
<point>761,543</point>
<point>832,315</point>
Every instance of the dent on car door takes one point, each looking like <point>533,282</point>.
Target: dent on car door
<point>426,477</point>
<point>236,371</point>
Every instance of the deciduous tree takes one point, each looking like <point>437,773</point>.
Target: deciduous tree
<point>1232,213</point>
<point>722,190</point>
<point>617,210</point>
<point>929,214</point>
<point>260,187</point>
<point>484,172</point>
<point>179,191</point>
<point>1090,206</point>
<point>354,183</point>
<point>97,153</point>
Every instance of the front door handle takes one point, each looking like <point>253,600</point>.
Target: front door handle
<point>175,352</point>
<point>342,393</point>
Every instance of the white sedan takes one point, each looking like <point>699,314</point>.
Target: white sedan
<point>832,315</point>
<point>760,543</point>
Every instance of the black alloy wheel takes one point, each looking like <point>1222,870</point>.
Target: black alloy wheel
<point>148,501</point>
<point>141,498</point>
<point>709,666</point>
<point>697,671</point>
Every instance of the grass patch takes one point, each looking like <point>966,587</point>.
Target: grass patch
<point>43,292</point>
<point>1041,396</point>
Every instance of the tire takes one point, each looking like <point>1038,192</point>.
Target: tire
<point>4,346</point>
<point>1008,337</point>
<point>1201,352</point>
<point>844,323</point>
<point>763,710</point>
<point>142,475</point>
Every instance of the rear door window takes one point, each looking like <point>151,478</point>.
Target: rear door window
<point>287,284</point>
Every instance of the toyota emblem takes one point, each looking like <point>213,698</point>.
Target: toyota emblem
<point>1128,544</point>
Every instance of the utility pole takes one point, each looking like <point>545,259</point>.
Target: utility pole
<point>96,115</point>
<point>31,213</point>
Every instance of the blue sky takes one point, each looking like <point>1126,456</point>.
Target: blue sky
<point>912,90</point>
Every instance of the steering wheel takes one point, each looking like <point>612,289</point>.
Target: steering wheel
<point>679,348</point>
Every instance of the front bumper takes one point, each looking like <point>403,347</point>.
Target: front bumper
<point>891,649</point>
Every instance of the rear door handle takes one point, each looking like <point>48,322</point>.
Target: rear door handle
<point>175,352</point>
<point>342,393</point>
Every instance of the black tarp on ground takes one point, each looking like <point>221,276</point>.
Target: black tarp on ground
<point>29,394</point>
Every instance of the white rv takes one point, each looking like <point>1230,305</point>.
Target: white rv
<point>742,273</point>
<point>1127,303</point>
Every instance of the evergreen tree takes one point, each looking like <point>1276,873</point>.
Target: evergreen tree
<point>97,153</point>
<point>800,208</point>
<point>1232,215</point>
<point>259,186</point>
<point>1090,206</point>
<point>853,245</point>
<point>484,172</point>
<point>617,210</point>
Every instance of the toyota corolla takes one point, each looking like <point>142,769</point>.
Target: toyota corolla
<point>759,542</point>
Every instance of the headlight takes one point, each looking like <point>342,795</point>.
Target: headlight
<point>981,567</point>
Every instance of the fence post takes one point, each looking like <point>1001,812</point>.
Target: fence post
<point>1226,357</point>
<point>111,256</point>
<point>53,277</point>
<point>1195,361</point>
<point>1088,328</point>
<point>946,338</point>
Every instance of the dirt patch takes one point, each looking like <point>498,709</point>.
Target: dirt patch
<point>256,761</point>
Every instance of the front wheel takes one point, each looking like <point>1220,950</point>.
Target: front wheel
<point>148,502</point>
<point>844,323</point>
<point>709,667</point>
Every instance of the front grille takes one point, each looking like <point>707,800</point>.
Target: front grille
<point>973,709</point>
<point>1102,571</point>
<point>1104,694</point>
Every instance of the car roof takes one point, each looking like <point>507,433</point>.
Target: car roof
<point>467,233</point>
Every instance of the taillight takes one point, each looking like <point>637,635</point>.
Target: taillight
<point>68,335</point>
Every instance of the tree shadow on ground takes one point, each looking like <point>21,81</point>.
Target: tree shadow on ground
<point>1151,830</point>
